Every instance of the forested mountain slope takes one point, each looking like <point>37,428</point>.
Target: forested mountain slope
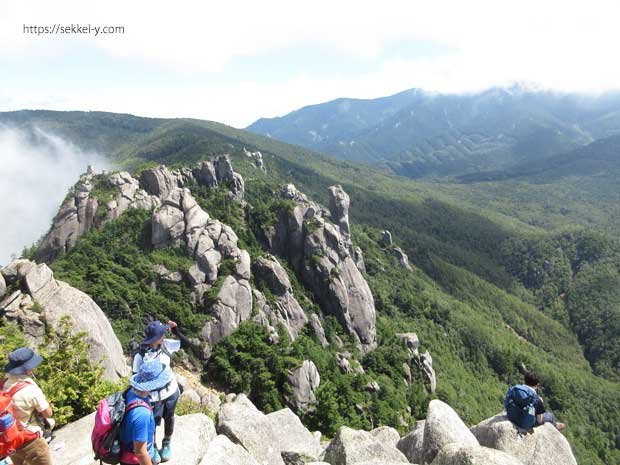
<point>487,293</point>
<point>436,134</point>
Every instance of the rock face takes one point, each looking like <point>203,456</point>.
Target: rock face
<point>443,426</point>
<point>412,444</point>
<point>82,210</point>
<point>351,446</point>
<point>72,446</point>
<point>2,286</point>
<point>403,259</point>
<point>422,362</point>
<point>180,222</point>
<point>319,254</point>
<point>339,203</point>
<point>285,309</point>
<point>257,157</point>
<point>43,301</point>
<point>222,451</point>
<point>454,454</point>
<point>545,446</point>
<point>304,382</point>
<point>265,437</point>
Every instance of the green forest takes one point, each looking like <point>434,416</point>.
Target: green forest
<point>491,292</point>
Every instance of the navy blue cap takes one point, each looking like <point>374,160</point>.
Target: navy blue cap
<point>21,361</point>
<point>154,331</point>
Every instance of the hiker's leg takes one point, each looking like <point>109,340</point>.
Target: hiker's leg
<point>170,407</point>
<point>549,418</point>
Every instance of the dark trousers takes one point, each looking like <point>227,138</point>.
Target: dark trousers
<point>165,409</point>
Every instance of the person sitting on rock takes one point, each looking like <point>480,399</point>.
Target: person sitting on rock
<point>138,429</point>
<point>31,407</point>
<point>525,407</point>
<point>154,346</point>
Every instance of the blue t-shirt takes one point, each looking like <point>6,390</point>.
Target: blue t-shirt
<point>138,424</point>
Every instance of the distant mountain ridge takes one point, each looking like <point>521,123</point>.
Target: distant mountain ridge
<point>417,133</point>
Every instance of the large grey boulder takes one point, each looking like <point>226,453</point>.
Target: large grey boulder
<point>158,181</point>
<point>544,446</point>
<point>412,444</point>
<point>222,451</point>
<point>2,286</point>
<point>193,435</point>
<point>352,447</point>
<point>317,327</point>
<point>71,444</point>
<point>304,382</point>
<point>456,454</point>
<point>386,434</point>
<point>425,363</point>
<point>265,437</point>
<point>443,426</point>
<point>411,342</point>
<point>56,299</point>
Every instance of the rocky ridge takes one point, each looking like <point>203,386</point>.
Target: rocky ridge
<point>243,435</point>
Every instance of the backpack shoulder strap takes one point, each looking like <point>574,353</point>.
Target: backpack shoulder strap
<point>17,387</point>
<point>138,403</point>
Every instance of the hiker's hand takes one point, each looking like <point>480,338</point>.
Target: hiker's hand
<point>172,324</point>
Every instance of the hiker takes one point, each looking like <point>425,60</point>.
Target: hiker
<point>154,346</point>
<point>31,408</point>
<point>525,407</point>
<point>138,429</point>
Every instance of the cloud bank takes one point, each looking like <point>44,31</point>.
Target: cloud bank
<point>36,171</point>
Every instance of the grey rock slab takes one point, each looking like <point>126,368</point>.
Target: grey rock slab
<point>304,382</point>
<point>352,447</point>
<point>71,444</point>
<point>386,434</point>
<point>222,451</point>
<point>544,446</point>
<point>192,436</point>
<point>2,287</point>
<point>413,442</point>
<point>443,426</point>
<point>457,454</point>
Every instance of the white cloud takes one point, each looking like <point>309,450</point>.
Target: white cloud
<point>34,179</point>
<point>562,45</point>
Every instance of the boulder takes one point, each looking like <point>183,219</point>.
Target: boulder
<point>339,203</point>
<point>425,361</point>
<point>71,444</point>
<point>16,270</point>
<point>158,181</point>
<point>386,435</point>
<point>443,426</point>
<point>269,270</point>
<point>205,174</point>
<point>411,341</point>
<point>456,454</point>
<point>358,256</point>
<point>189,395</point>
<point>544,446</point>
<point>412,443</point>
<point>304,382</point>
<point>403,259</point>
<point>352,447</point>
<point>57,299</point>
<point>193,434</point>
<point>282,431</point>
<point>386,239</point>
<point>222,451</point>
<point>2,286</point>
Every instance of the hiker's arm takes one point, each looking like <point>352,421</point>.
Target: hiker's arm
<point>185,343</point>
<point>142,453</point>
<point>47,413</point>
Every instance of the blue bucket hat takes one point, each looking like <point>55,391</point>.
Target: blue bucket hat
<point>21,361</point>
<point>153,375</point>
<point>154,331</point>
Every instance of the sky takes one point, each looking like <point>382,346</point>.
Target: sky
<point>237,61</point>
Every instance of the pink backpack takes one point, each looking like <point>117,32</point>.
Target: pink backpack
<point>106,435</point>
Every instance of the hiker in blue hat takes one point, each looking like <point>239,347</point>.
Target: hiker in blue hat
<point>138,430</point>
<point>31,407</point>
<point>155,346</point>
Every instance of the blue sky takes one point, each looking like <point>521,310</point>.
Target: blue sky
<point>241,60</point>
